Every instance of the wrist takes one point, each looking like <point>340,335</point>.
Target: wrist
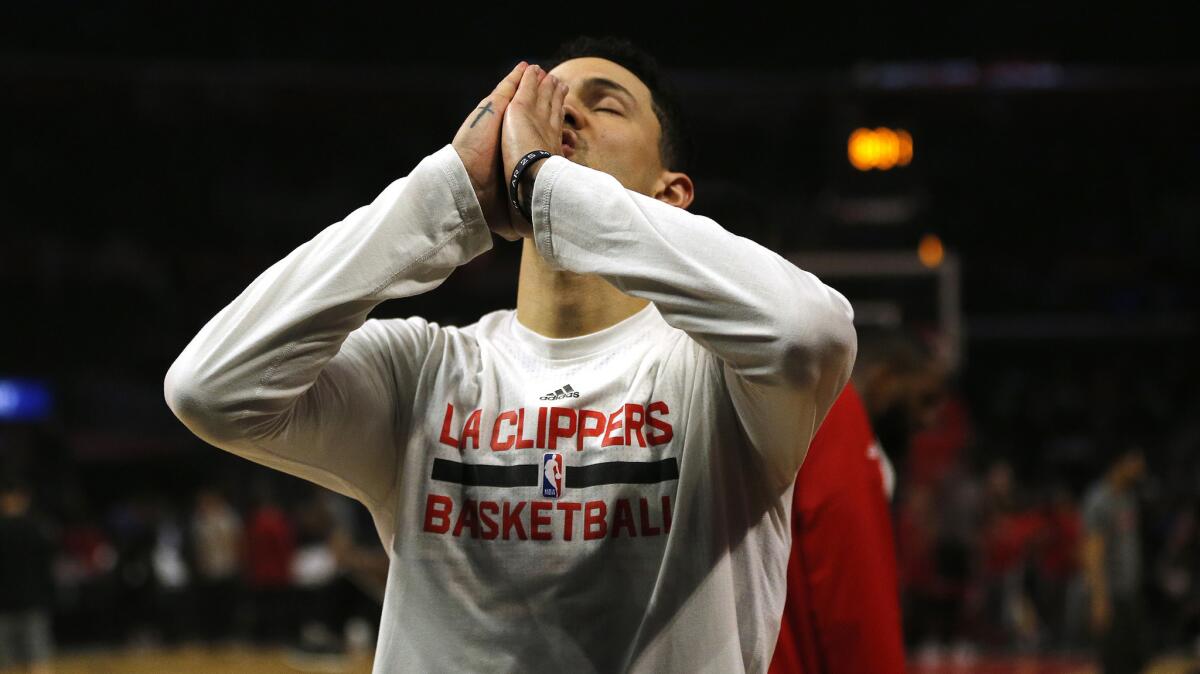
<point>522,182</point>
<point>532,171</point>
<point>528,179</point>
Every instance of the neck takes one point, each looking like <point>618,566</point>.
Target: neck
<point>559,304</point>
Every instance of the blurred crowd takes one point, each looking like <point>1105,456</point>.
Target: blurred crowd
<point>1056,511</point>
<point>168,569</point>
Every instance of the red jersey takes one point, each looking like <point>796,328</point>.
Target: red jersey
<point>269,548</point>
<point>843,606</point>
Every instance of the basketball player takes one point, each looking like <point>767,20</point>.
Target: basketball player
<point>842,614</point>
<point>703,365</point>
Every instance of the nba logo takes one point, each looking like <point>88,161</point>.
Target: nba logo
<point>552,475</point>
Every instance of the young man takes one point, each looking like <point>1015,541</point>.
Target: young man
<point>672,372</point>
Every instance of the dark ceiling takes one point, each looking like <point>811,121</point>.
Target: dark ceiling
<point>766,35</point>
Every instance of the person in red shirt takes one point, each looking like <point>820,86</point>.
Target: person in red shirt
<point>269,546</point>
<point>843,605</point>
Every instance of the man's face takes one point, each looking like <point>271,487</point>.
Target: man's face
<point>608,112</point>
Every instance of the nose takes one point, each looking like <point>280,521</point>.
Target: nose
<point>572,115</point>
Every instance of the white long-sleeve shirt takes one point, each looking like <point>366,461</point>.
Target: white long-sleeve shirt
<point>612,502</point>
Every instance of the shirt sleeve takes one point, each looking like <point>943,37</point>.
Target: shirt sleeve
<point>292,375</point>
<point>786,340</point>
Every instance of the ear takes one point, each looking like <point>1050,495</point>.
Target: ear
<point>675,189</point>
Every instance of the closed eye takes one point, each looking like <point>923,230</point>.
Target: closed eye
<point>605,99</point>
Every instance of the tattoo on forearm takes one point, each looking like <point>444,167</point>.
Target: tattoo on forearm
<point>484,109</point>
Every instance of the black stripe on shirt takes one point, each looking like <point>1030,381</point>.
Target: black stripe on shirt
<point>529,474</point>
<point>478,475</point>
<point>622,472</point>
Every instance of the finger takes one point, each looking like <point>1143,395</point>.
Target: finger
<point>556,104</point>
<point>508,86</point>
<point>527,91</point>
<point>546,90</point>
<point>497,101</point>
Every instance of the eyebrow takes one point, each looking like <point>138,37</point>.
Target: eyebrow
<point>605,83</point>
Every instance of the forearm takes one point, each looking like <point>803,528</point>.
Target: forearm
<point>264,378</point>
<point>786,338</point>
<point>269,343</point>
<point>760,313</point>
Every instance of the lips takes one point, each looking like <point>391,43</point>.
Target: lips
<point>569,142</point>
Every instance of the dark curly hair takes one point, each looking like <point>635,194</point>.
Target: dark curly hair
<point>674,146</point>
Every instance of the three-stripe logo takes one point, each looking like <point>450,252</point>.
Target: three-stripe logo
<point>564,392</point>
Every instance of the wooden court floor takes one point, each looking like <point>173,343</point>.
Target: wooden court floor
<point>249,660</point>
<point>201,660</point>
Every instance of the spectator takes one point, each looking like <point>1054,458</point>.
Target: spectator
<point>217,541</point>
<point>26,585</point>
<point>269,548</point>
<point>1113,565</point>
<point>84,575</point>
<point>1058,564</point>
<point>133,523</point>
<point>316,576</point>
<point>1177,571</point>
<point>171,575</point>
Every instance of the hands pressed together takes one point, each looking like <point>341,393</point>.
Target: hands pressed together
<point>522,114</point>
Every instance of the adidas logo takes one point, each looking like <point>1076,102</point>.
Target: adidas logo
<point>564,392</point>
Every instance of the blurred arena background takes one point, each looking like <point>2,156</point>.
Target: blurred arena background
<point>1007,195</point>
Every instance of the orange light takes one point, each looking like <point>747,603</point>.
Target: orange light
<point>861,149</point>
<point>930,251</point>
<point>904,158</point>
<point>880,148</point>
